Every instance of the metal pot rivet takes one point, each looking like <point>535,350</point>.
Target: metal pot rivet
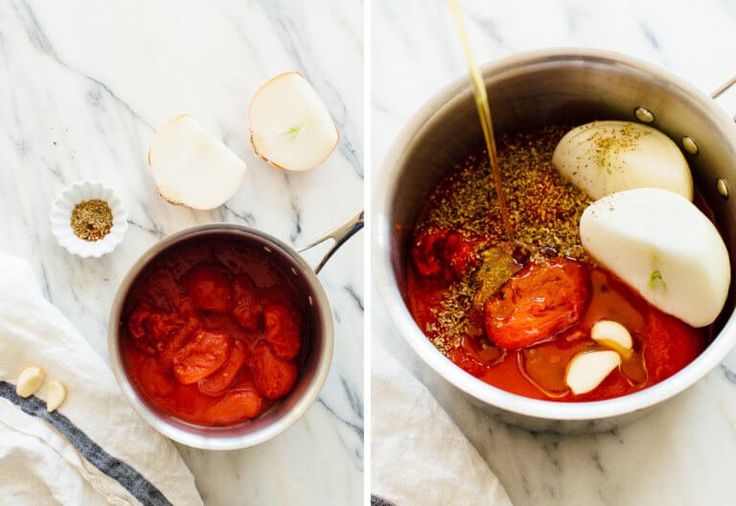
<point>722,188</point>
<point>689,145</point>
<point>644,115</point>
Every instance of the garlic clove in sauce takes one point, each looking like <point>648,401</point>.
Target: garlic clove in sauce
<point>605,157</point>
<point>613,335</point>
<point>588,369</point>
<point>663,246</point>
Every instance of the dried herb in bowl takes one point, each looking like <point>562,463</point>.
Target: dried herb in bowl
<point>91,220</point>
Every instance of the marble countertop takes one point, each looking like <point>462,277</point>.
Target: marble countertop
<point>683,454</point>
<point>84,84</point>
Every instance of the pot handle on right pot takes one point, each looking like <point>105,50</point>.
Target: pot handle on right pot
<point>724,87</point>
<point>340,235</point>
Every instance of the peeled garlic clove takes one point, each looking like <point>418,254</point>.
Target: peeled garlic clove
<point>587,370</point>
<point>664,247</point>
<point>29,381</point>
<point>614,335</point>
<point>290,126</point>
<point>191,167</point>
<point>55,395</point>
<point>605,157</point>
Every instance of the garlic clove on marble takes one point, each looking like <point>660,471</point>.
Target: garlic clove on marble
<point>29,381</point>
<point>290,126</point>
<point>193,168</point>
<point>55,395</point>
<point>588,369</point>
<point>605,157</point>
<point>613,335</point>
<point>664,247</point>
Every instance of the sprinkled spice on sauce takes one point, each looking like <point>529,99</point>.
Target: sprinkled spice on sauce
<point>91,220</point>
<point>515,314</point>
<point>544,212</point>
<point>544,209</point>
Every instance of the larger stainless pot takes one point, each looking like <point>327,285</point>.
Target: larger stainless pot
<point>534,89</point>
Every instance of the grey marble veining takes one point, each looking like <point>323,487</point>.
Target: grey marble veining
<point>84,85</point>
<point>682,454</point>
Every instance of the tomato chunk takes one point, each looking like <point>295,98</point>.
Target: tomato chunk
<point>150,329</point>
<point>137,320</point>
<point>282,331</point>
<point>459,254</point>
<point>235,406</point>
<point>467,362</point>
<point>163,291</point>
<point>274,378</point>
<point>537,303</point>
<point>220,380</point>
<point>174,343</point>
<point>201,356</point>
<point>209,288</point>
<point>155,379</point>
<point>162,326</point>
<point>443,254</point>
<point>248,308</point>
<point>670,345</point>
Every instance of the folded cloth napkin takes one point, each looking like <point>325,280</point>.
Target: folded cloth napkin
<point>419,456</point>
<point>94,449</point>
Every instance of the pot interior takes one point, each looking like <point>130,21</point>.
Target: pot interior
<point>315,355</point>
<point>561,89</point>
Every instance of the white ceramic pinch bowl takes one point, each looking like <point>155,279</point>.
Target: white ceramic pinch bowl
<point>61,212</point>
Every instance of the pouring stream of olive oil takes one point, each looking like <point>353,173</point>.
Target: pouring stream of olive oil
<point>484,111</point>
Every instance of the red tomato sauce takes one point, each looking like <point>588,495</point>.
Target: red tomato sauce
<point>213,332</point>
<point>514,313</point>
<point>526,334</point>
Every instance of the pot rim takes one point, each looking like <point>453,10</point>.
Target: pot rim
<point>388,287</point>
<point>213,440</point>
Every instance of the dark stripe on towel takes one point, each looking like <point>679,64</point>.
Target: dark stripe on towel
<point>380,501</point>
<point>133,481</point>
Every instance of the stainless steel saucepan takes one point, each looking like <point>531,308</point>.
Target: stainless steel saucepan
<point>530,90</point>
<point>319,348</point>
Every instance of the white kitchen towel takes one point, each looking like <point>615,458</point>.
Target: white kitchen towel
<point>419,456</point>
<point>95,449</point>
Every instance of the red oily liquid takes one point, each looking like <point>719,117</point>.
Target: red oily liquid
<point>662,344</point>
<point>213,332</point>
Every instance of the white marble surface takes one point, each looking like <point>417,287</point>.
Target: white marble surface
<point>83,85</point>
<point>685,453</point>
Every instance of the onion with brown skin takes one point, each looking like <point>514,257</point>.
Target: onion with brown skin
<point>191,167</point>
<point>290,126</point>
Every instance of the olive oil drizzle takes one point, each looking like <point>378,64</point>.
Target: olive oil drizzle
<point>484,112</point>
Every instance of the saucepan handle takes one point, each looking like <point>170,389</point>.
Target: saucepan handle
<point>340,235</point>
<point>724,87</point>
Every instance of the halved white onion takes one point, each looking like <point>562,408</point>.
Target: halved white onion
<point>605,157</point>
<point>193,168</point>
<point>663,246</point>
<point>290,126</point>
